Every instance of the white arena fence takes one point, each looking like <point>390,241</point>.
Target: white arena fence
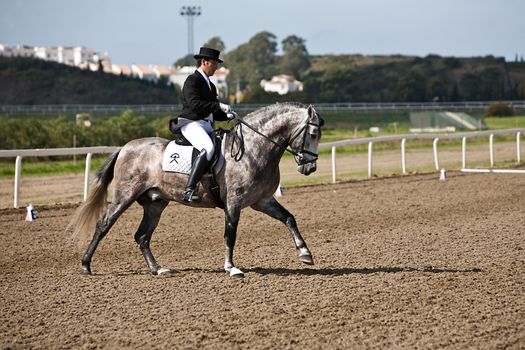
<point>435,137</point>
<point>20,153</point>
<point>89,151</point>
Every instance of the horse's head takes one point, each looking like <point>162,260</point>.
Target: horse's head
<point>305,140</point>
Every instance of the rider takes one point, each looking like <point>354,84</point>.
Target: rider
<point>200,107</point>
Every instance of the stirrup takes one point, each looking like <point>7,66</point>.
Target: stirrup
<point>190,195</point>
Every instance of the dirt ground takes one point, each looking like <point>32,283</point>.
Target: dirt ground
<point>404,262</point>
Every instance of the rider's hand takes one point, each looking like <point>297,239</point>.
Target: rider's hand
<point>231,115</point>
<point>225,108</point>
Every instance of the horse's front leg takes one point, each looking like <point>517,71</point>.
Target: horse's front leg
<point>272,208</point>
<point>232,215</point>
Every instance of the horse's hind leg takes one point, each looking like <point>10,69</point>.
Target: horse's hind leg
<point>272,208</point>
<point>111,215</point>
<point>150,220</point>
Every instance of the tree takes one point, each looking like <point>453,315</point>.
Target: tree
<point>263,47</point>
<point>471,87</point>
<point>336,84</point>
<point>295,60</point>
<point>215,43</point>
<point>253,61</point>
<point>438,88</point>
<point>187,60</point>
<point>412,87</point>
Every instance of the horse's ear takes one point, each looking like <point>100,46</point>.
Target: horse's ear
<point>312,114</point>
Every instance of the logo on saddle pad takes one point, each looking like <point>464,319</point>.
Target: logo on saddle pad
<point>178,159</point>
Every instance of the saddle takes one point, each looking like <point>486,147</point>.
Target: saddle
<point>216,162</point>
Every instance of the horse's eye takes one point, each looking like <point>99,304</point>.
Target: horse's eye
<point>313,136</point>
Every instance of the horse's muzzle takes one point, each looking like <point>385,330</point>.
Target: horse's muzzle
<point>308,168</point>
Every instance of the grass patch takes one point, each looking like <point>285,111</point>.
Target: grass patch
<point>32,166</point>
<point>506,122</point>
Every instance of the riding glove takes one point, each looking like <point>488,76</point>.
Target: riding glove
<point>225,108</point>
<point>231,115</point>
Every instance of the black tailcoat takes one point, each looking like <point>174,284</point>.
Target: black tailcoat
<point>198,101</point>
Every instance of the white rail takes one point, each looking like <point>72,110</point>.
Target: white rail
<point>20,153</point>
<point>89,151</point>
<point>435,137</point>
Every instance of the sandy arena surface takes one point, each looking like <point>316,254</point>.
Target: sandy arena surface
<point>406,262</point>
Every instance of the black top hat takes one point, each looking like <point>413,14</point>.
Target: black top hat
<point>206,52</point>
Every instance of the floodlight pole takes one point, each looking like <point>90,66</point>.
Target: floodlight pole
<point>190,12</point>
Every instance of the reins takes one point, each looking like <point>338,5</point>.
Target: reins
<point>258,132</point>
<point>241,138</point>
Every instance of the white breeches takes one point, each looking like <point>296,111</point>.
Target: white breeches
<point>198,134</point>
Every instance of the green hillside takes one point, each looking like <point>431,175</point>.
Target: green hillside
<point>34,81</point>
<point>328,79</point>
<point>413,79</point>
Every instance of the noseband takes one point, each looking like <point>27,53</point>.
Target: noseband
<point>299,156</point>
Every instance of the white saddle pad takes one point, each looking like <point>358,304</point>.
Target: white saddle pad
<point>177,158</point>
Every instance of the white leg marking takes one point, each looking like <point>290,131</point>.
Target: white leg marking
<point>227,267</point>
<point>304,251</point>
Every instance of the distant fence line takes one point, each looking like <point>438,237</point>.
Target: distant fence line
<point>321,107</point>
<point>20,153</point>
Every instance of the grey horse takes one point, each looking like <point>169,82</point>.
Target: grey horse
<point>249,177</point>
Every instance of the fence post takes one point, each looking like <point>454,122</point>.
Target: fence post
<point>86,175</point>
<point>370,146</point>
<point>18,170</point>
<point>334,173</point>
<point>491,149</point>
<point>464,152</point>
<point>436,160</point>
<point>518,148</point>
<point>403,156</point>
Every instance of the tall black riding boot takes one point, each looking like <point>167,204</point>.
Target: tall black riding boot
<point>199,168</point>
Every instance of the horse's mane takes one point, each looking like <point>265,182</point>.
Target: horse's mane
<point>265,114</point>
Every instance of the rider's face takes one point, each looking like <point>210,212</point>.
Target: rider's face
<point>210,66</point>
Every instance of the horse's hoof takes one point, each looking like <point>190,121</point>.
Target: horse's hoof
<point>236,273</point>
<point>164,271</point>
<point>86,271</point>
<point>307,259</point>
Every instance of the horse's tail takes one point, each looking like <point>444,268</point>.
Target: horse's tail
<point>91,210</point>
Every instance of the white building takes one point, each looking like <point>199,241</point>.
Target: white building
<point>119,69</point>
<point>143,71</point>
<point>282,84</point>
<point>5,50</point>
<point>161,71</point>
<point>73,56</point>
<point>41,52</point>
<point>22,51</point>
<point>219,80</point>
<point>82,54</point>
<point>179,75</point>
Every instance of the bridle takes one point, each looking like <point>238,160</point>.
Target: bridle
<point>299,156</point>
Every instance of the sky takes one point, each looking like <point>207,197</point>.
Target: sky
<point>154,32</point>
